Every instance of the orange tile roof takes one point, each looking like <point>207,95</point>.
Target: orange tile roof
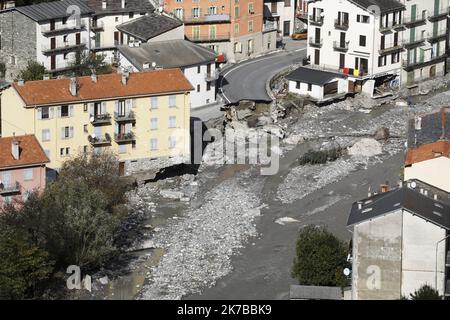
<point>427,152</point>
<point>56,91</point>
<point>30,152</point>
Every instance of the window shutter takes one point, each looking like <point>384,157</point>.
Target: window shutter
<point>71,132</point>
<point>51,112</point>
<point>71,110</point>
<point>133,103</point>
<point>58,112</point>
<point>39,113</point>
<point>62,133</point>
<point>103,107</point>
<point>116,106</point>
<point>116,129</point>
<point>128,128</point>
<point>91,109</point>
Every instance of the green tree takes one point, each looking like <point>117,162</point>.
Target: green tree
<point>23,267</point>
<point>33,71</point>
<point>425,292</point>
<point>320,258</point>
<point>86,63</point>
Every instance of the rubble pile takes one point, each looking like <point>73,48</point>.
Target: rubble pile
<point>200,243</point>
<point>365,147</point>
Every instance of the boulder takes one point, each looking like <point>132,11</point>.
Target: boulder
<point>171,194</point>
<point>381,134</point>
<point>365,147</point>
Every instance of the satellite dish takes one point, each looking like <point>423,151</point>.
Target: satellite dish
<point>413,185</point>
<point>93,135</point>
<point>153,64</point>
<point>347,272</point>
<point>92,119</point>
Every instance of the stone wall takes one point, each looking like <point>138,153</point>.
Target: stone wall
<point>18,40</point>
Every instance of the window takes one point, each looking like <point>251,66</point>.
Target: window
<point>250,46</point>
<point>199,69</point>
<point>45,113</point>
<point>172,122</point>
<point>250,8</point>
<point>238,47</point>
<point>212,10</point>
<point>172,101</point>
<point>65,39</point>
<point>362,18</point>
<point>309,87</point>
<point>195,12</point>
<point>85,107</point>
<point>250,26</point>
<point>85,149</point>
<point>64,20</point>
<point>66,132</point>
<point>362,41</point>
<point>196,32</point>
<point>65,56</point>
<point>179,13</point>
<point>12,60</point>
<point>64,151</point>
<point>208,86</point>
<point>28,174</point>
<point>236,28</point>
<point>172,142</point>
<point>153,123</point>
<point>153,144</point>
<point>198,88</point>
<point>131,15</point>
<point>287,3</point>
<point>64,111</point>
<point>236,11</point>
<point>46,135</point>
<point>297,84</point>
<point>395,57</point>
<point>382,61</point>
<point>117,19</point>
<point>154,102</point>
<point>85,128</point>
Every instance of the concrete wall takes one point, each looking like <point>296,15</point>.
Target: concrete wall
<point>433,172</point>
<point>316,91</point>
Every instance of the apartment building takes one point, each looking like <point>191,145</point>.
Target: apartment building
<point>143,117</point>
<point>231,28</point>
<point>425,40</point>
<point>108,14</point>
<point>198,64</point>
<point>282,14</point>
<point>301,14</point>
<point>22,168</point>
<point>48,33</point>
<point>400,242</point>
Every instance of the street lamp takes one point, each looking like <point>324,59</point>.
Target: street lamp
<point>437,245</point>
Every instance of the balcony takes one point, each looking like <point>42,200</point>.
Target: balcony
<point>411,65</point>
<point>206,19</point>
<point>437,36</point>
<point>419,39</point>
<point>124,117</point>
<point>341,24</point>
<point>48,31</point>
<point>99,141</point>
<point>62,48</point>
<point>124,137</point>
<point>9,188</point>
<point>340,46</point>
<point>315,20</point>
<point>97,26</point>
<point>313,42</point>
<point>438,15</point>
<point>210,38</point>
<point>390,48</point>
<point>411,21</point>
<point>211,76</point>
<point>100,119</point>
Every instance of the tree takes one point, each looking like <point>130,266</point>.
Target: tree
<point>33,71</point>
<point>86,63</point>
<point>23,267</point>
<point>320,258</point>
<point>425,292</point>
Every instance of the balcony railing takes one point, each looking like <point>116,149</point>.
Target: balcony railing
<point>316,20</point>
<point>410,65</point>
<point>210,38</point>
<point>99,119</point>
<point>390,48</point>
<point>410,21</point>
<point>124,117</point>
<point>439,14</point>
<point>341,46</point>
<point>99,141</point>
<point>314,42</point>
<point>212,76</point>
<point>341,24</point>
<point>9,188</point>
<point>61,29</point>
<point>124,137</point>
<point>436,36</point>
<point>65,47</point>
<point>206,18</point>
<point>418,39</point>
<point>332,68</point>
<point>97,26</point>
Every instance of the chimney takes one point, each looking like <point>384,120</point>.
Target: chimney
<point>384,188</point>
<point>21,82</point>
<point>369,194</point>
<point>123,4</point>
<point>104,4</point>
<point>94,78</point>
<point>125,77</point>
<point>73,86</point>
<point>435,197</point>
<point>15,148</point>
<point>359,205</point>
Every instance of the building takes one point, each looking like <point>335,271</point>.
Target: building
<point>231,28</point>
<point>425,40</point>
<point>45,33</point>
<point>5,4</point>
<point>301,15</point>
<point>107,16</point>
<point>428,155</point>
<point>22,168</point>
<point>143,117</point>
<point>282,14</point>
<point>197,63</point>
<point>400,242</point>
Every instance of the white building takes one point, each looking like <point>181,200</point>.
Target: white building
<point>197,62</point>
<point>400,242</point>
<point>282,13</point>
<point>108,14</point>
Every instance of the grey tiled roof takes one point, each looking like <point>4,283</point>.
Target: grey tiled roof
<point>315,293</point>
<point>412,200</point>
<point>308,75</point>
<point>149,26</point>
<point>384,5</point>
<point>168,54</point>
<point>53,10</point>
<point>430,128</point>
<point>115,6</point>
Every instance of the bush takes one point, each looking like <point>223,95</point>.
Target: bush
<point>33,71</point>
<point>320,157</point>
<point>320,258</point>
<point>426,292</point>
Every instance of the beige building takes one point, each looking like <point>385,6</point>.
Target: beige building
<point>140,116</point>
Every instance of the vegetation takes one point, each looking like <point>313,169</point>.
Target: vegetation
<point>426,292</point>
<point>33,71</point>
<point>320,157</point>
<point>74,221</point>
<point>2,69</point>
<point>320,258</point>
<point>86,63</point>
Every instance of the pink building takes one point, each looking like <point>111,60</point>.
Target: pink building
<point>22,168</point>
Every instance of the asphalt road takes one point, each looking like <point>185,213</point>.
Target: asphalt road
<point>247,80</point>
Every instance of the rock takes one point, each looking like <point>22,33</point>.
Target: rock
<point>365,147</point>
<point>170,194</point>
<point>381,134</point>
<point>104,281</point>
<point>401,103</point>
<point>284,220</point>
<point>294,139</point>
<point>185,199</point>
